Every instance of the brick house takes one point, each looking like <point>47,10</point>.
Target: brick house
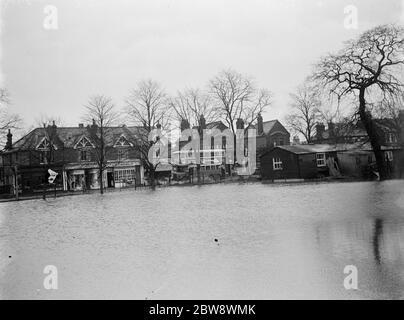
<point>71,152</point>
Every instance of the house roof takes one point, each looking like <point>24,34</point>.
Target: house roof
<point>324,148</point>
<point>267,126</point>
<point>215,124</point>
<point>68,137</point>
<point>358,130</point>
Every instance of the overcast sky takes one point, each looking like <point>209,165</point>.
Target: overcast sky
<point>106,47</point>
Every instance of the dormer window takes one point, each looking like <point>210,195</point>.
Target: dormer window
<point>84,155</point>
<point>122,154</point>
<point>391,138</point>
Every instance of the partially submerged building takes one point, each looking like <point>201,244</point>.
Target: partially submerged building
<point>74,154</point>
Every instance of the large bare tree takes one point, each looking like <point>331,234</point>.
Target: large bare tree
<point>366,67</point>
<point>305,112</point>
<point>8,121</point>
<point>101,111</point>
<point>191,105</point>
<point>236,97</point>
<point>147,106</point>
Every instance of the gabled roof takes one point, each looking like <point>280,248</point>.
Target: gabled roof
<point>83,141</point>
<point>216,124</point>
<point>122,141</point>
<point>267,126</point>
<point>68,137</point>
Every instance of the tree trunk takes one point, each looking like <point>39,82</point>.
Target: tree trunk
<point>152,178</point>
<point>373,135</point>
<point>101,181</point>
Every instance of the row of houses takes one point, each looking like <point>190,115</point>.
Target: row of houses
<point>72,153</point>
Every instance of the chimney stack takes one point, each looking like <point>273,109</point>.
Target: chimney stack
<point>9,142</point>
<point>240,123</point>
<point>260,125</point>
<point>184,124</point>
<point>331,129</point>
<point>320,128</point>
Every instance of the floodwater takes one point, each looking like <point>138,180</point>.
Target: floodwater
<point>273,242</point>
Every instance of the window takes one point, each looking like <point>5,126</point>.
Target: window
<point>277,163</point>
<point>124,175</point>
<point>42,157</point>
<point>389,155</point>
<point>281,142</point>
<point>122,154</point>
<point>84,155</point>
<point>391,138</point>
<point>320,159</point>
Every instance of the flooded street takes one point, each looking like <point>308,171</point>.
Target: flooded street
<point>273,242</point>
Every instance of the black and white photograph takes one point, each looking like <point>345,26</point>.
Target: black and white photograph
<point>201,150</point>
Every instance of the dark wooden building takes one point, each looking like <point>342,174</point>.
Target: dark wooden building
<point>297,162</point>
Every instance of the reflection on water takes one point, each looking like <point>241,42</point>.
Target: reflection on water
<point>378,231</point>
<point>273,241</point>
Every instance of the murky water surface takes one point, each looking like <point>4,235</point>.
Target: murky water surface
<point>274,241</point>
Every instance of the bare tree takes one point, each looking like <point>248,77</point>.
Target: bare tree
<point>100,110</point>
<point>147,106</point>
<point>8,121</point>
<point>236,97</point>
<point>191,105</point>
<point>366,67</point>
<point>46,120</point>
<point>305,112</point>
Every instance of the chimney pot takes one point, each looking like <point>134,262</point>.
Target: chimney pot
<point>9,142</point>
<point>320,128</point>
<point>240,123</point>
<point>184,124</point>
<point>260,124</point>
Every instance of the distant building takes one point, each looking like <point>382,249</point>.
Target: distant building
<point>271,134</point>
<point>355,132</point>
